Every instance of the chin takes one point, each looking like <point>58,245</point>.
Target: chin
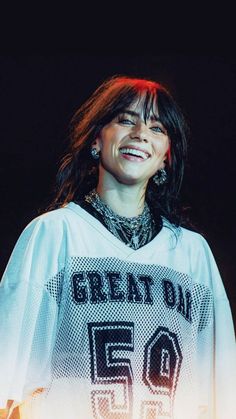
<point>131,180</point>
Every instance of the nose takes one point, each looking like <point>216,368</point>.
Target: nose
<point>139,132</point>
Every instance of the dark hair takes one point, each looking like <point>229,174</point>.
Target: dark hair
<point>78,171</point>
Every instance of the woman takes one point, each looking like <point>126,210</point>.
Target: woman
<point>110,308</point>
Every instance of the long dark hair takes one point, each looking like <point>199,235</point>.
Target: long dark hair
<point>78,171</point>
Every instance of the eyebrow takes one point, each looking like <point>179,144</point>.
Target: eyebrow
<point>133,113</point>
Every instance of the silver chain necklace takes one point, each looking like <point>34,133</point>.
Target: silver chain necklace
<point>134,231</point>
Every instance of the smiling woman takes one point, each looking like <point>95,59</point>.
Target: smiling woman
<point>133,148</point>
<point>110,308</point>
<point>129,108</point>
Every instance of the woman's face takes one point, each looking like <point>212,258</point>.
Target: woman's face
<point>132,150</point>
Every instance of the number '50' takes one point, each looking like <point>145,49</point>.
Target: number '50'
<point>112,374</point>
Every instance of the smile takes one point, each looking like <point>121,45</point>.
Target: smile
<point>126,151</point>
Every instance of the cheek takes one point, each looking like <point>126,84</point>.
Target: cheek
<point>162,149</point>
<point>166,149</point>
<point>109,140</point>
<point>107,150</point>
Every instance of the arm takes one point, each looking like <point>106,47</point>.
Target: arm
<point>28,313</point>
<point>217,348</point>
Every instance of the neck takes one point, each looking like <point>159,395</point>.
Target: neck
<point>127,200</point>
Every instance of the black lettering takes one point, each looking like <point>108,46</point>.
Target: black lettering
<point>181,305</point>
<point>96,288</point>
<point>169,293</point>
<point>134,294</point>
<point>162,361</point>
<point>188,306</point>
<point>147,282</point>
<point>116,294</point>
<point>80,294</point>
<point>165,363</point>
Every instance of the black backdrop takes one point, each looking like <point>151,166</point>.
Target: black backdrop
<point>41,91</point>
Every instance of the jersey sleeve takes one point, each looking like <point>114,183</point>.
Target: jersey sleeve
<point>28,313</point>
<point>217,347</point>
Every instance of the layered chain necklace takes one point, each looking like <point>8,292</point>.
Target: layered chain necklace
<point>134,231</point>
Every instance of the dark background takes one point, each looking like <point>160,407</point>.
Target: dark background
<point>39,92</point>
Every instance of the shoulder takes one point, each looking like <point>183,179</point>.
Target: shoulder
<point>190,243</point>
<point>56,215</point>
<point>185,237</point>
<point>40,248</point>
<point>47,229</point>
<point>56,224</point>
<point>203,262</point>
<point>50,220</point>
<point>194,242</point>
<point>190,236</point>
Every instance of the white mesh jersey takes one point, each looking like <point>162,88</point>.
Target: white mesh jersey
<point>92,329</point>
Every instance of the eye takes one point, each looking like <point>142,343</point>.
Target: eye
<point>158,129</point>
<point>126,121</point>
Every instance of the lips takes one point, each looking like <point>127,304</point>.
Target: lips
<point>135,151</point>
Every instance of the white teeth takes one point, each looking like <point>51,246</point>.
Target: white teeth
<point>134,152</point>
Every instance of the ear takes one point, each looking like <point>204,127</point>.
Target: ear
<point>97,144</point>
<point>164,162</point>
